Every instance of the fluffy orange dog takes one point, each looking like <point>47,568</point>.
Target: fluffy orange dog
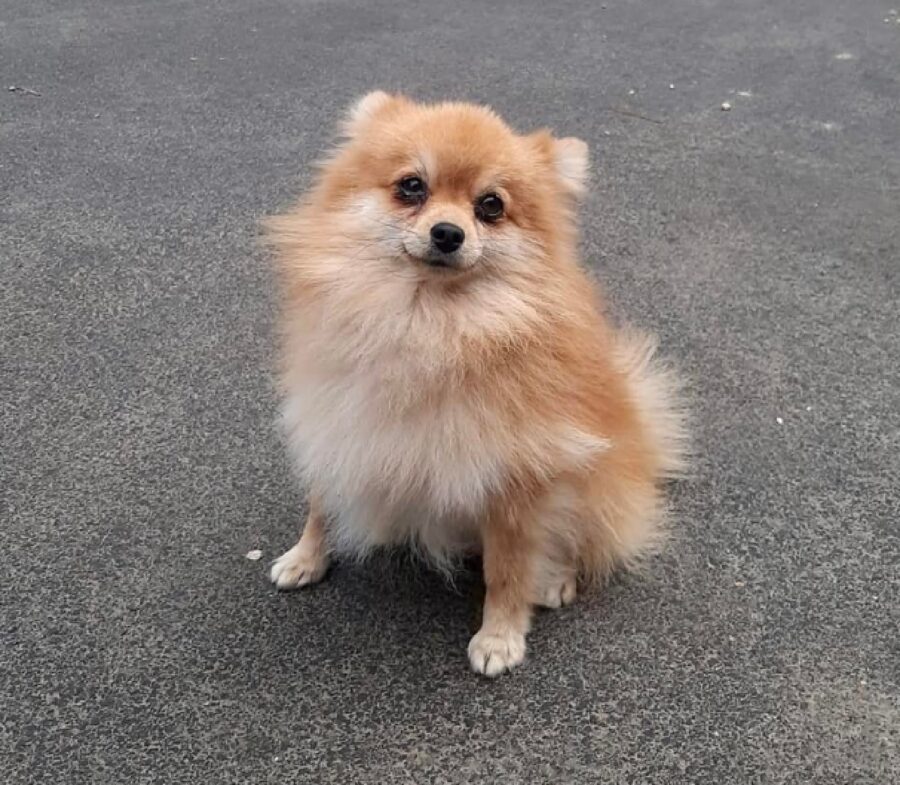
<point>449,380</point>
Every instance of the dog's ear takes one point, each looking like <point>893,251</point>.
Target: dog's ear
<point>568,158</point>
<point>367,109</point>
<point>572,163</point>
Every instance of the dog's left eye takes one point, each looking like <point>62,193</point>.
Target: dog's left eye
<point>412,190</point>
<point>489,208</point>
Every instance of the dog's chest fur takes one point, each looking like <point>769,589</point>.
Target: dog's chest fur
<point>380,428</point>
<point>401,436</point>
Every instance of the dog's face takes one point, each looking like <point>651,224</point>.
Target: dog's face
<point>448,189</point>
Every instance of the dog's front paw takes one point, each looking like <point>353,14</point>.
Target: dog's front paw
<point>492,652</point>
<point>298,567</point>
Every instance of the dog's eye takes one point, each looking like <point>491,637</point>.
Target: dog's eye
<point>412,190</point>
<point>489,208</point>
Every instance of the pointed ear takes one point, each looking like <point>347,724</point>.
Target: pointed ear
<point>572,163</point>
<point>567,157</point>
<point>367,109</point>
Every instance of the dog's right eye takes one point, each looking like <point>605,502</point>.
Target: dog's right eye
<point>412,190</point>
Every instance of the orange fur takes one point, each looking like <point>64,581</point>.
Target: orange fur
<point>490,406</point>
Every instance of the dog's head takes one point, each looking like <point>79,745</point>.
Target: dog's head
<point>449,189</point>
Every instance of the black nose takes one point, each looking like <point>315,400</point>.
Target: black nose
<point>447,237</point>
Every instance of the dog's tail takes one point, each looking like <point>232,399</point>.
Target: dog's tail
<point>626,496</point>
<point>659,395</point>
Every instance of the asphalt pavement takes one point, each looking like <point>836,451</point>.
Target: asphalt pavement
<point>140,145</point>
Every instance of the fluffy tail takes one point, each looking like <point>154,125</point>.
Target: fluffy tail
<point>625,498</point>
<point>659,395</point>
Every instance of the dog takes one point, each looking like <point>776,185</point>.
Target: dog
<point>449,379</point>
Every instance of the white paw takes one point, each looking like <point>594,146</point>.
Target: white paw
<point>557,594</point>
<point>298,567</point>
<point>492,653</point>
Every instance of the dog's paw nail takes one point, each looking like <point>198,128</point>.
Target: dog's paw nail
<point>297,568</point>
<point>492,653</point>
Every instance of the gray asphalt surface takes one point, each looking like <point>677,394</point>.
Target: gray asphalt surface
<point>140,461</point>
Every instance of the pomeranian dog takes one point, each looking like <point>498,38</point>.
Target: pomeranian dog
<point>448,376</point>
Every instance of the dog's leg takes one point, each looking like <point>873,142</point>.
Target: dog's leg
<point>555,564</point>
<point>508,557</point>
<point>555,583</point>
<point>307,562</point>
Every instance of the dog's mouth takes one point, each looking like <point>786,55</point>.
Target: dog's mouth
<point>442,263</point>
